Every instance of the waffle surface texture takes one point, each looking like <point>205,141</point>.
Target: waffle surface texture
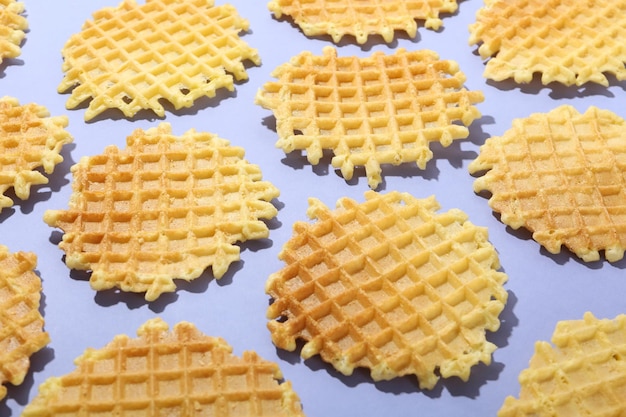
<point>570,42</point>
<point>166,207</point>
<point>390,285</point>
<point>133,56</point>
<point>561,175</point>
<point>182,372</point>
<point>361,18</point>
<point>582,373</point>
<point>383,109</point>
<point>29,140</point>
<point>21,323</point>
<point>12,28</point>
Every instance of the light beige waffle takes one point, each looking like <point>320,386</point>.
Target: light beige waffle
<point>12,27</point>
<point>181,372</point>
<point>562,176</point>
<point>165,207</point>
<point>134,56</point>
<point>390,285</point>
<point>362,18</point>
<point>21,323</point>
<point>566,41</point>
<point>582,373</point>
<point>383,109</point>
<point>29,140</point>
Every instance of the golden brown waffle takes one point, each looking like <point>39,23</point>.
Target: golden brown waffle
<point>562,176</point>
<point>135,55</point>
<point>388,285</point>
<point>566,41</point>
<point>29,140</point>
<point>164,207</point>
<point>12,27</point>
<point>362,18</point>
<point>167,373</point>
<point>582,374</point>
<point>21,323</point>
<point>384,109</point>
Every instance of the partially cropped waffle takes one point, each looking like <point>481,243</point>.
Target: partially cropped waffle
<point>21,323</point>
<point>582,373</point>
<point>181,372</point>
<point>390,285</point>
<point>362,18</point>
<point>383,109</point>
<point>29,140</point>
<point>163,208</point>
<point>565,41</point>
<point>12,27</point>
<point>562,176</point>
<point>135,56</point>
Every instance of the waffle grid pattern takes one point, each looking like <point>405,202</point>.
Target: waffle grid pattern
<point>29,140</point>
<point>391,286</point>
<point>12,27</point>
<point>384,109</point>
<point>566,41</point>
<point>362,18</point>
<point>561,175</point>
<point>21,323</point>
<point>165,207</point>
<point>584,373</point>
<point>133,56</point>
<point>181,373</point>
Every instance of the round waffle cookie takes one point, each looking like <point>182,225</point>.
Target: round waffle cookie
<point>362,18</point>
<point>390,285</point>
<point>12,27</point>
<point>562,176</point>
<point>21,323</point>
<point>164,207</point>
<point>29,140</point>
<point>582,374</point>
<point>167,373</point>
<point>566,41</point>
<point>384,109</point>
<point>135,55</point>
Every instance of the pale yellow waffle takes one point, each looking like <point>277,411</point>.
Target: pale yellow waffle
<point>362,18</point>
<point>181,372</point>
<point>21,323</point>
<point>390,285</point>
<point>565,41</point>
<point>562,176</point>
<point>165,207</point>
<point>582,373</point>
<point>12,27</point>
<point>134,56</point>
<point>29,140</point>
<point>383,109</point>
